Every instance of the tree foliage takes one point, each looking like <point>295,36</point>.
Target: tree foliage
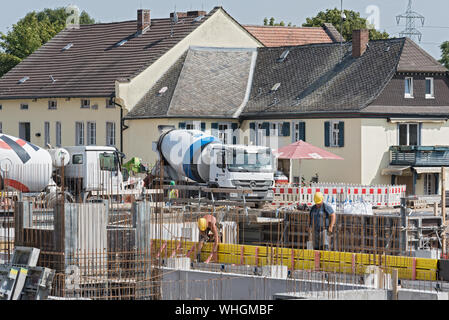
<point>352,22</point>
<point>7,62</point>
<point>445,54</point>
<point>31,32</point>
<point>272,22</point>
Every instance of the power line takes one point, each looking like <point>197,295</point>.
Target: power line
<point>410,17</point>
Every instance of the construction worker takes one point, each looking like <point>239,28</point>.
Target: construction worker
<point>209,232</point>
<point>319,225</point>
<point>172,194</point>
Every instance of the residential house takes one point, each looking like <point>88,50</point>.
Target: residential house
<point>381,105</point>
<point>76,89</point>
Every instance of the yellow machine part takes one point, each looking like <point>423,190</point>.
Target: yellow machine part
<point>343,262</point>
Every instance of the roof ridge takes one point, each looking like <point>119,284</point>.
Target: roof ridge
<point>290,27</point>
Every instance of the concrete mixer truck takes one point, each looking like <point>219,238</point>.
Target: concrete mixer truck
<point>201,159</point>
<point>83,170</point>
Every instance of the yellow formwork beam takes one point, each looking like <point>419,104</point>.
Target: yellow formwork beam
<point>331,261</point>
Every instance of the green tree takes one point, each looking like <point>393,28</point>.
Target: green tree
<point>31,32</point>
<point>445,54</point>
<point>353,22</point>
<point>272,22</point>
<point>7,62</point>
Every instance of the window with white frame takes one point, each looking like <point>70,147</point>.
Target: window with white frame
<point>430,94</point>
<point>193,125</point>
<point>85,103</point>
<point>91,133</point>
<point>409,134</point>
<point>58,134</point>
<point>52,105</point>
<point>275,128</point>
<point>110,133</point>
<point>299,131</point>
<point>334,133</point>
<point>224,132</point>
<point>24,106</point>
<point>79,133</point>
<point>408,92</point>
<point>46,133</point>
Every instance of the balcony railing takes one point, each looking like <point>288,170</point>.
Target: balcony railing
<point>419,155</point>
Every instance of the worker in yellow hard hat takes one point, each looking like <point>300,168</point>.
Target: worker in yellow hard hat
<point>320,227</point>
<point>207,226</point>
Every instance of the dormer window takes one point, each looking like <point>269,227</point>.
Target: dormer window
<point>408,87</point>
<point>52,105</point>
<point>429,88</point>
<point>85,104</point>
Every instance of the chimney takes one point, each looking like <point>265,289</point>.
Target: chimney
<point>360,39</point>
<point>143,20</point>
<point>196,13</point>
<point>179,14</point>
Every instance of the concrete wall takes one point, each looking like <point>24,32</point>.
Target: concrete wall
<point>218,31</point>
<point>67,112</point>
<point>205,285</point>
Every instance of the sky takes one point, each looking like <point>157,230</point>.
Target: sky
<point>383,12</point>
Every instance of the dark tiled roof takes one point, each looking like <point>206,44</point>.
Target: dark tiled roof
<point>415,59</point>
<point>156,103</point>
<point>313,78</point>
<point>91,66</point>
<point>208,82</point>
<point>276,36</point>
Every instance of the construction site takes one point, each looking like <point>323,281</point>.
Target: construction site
<point>142,243</point>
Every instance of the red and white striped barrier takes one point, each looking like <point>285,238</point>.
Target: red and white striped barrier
<point>380,196</point>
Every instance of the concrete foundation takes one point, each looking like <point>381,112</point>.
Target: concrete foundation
<point>208,285</point>
<point>275,271</point>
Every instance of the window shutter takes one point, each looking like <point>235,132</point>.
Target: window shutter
<point>326,134</point>
<point>203,126</point>
<point>182,125</point>
<point>266,126</point>
<point>252,132</point>
<point>302,131</point>
<point>286,129</point>
<point>234,133</point>
<point>341,134</point>
<point>214,129</point>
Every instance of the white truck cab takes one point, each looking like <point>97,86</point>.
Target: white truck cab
<point>240,166</point>
<point>93,168</point>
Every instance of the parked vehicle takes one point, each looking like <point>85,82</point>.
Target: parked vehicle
<point>198,158</point>
<point>81,170</point>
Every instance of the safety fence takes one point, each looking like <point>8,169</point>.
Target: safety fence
<point>380,196</point>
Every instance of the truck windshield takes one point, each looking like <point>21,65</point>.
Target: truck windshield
<point>108,161</point>
<point>244,161</point>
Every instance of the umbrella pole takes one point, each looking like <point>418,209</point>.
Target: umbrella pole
<point>290,174</point>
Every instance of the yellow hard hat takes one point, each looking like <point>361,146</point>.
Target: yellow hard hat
<point>202,224</point>
<point>318,198</point>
